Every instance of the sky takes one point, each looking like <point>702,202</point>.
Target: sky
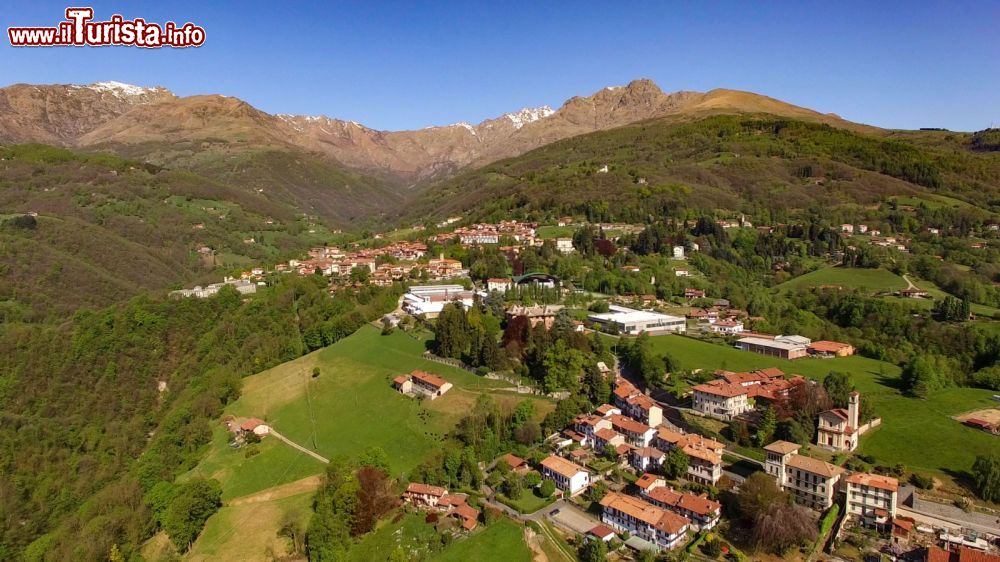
<point>408,65</point>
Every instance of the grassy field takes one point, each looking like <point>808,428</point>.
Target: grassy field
<point>248,531</point>
<point>553,231</point>
<point>348,408</point>
<point>529,502</point>
<point>409,533</point>
<point>918,433</point>
<point>502,541</point>
<point>871,279</point>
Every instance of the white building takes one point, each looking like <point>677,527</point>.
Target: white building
<point>872,498</point>
<point>727,327</point>
<point>565,245</point>
<point>631,321</point>
<point>429,300</point>
<point>242,286</point>
<point>838,429</point>
<point>568,476</point>
<point>678,252</point>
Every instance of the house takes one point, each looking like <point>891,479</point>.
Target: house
<point>838,428</point>
<point>607,437</point>
<point>635,404</point>
<point>421,382</point>
<point>785,347</point>
<point>721,400</point>
<point>847,228</point>
<point>634,322</point>
<point>254,426</point>
<point>516,463</point>
<point>694,294</point>
<point>664,529</point>
<point>682,272</point>
<point>568,476</point>
<point>703,512</point>
<point>727,327</point>
<point>536,314</point>
<point>678,252</point>
<point>871,498</point>
<point>913,293</point>
<point>824,348</point>
<point>500,285</point>
<point>646,459</point>
<point>704,454</point>
<point>636,433</point>
<point>813,483</point>
<point>565,245</point>
<point>424,495</point>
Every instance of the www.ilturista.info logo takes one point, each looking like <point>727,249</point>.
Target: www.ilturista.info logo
<point>79,30</point>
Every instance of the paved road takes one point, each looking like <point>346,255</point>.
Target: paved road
<point>295,445</point>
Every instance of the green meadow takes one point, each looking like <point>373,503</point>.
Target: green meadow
<point>849,278</point>
<point>917,432</point>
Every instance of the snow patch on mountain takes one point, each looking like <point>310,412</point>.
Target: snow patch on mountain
<point>529,115</point>
<point>120,89</point>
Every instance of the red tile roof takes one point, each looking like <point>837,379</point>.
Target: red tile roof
<point>429,378</point>
<point>425,489</point>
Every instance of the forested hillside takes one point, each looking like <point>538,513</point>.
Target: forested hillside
<point>91,230</point>
<point>722,162</point>
<point>97,411</point>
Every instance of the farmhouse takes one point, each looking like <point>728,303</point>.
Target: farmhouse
<point>424,495</point>
<point>811,481</point>
<point>420,382</point>
<point>662,528</point>
<point>871,498</point>
<point>785,347</point>
<point>630,321</point>
<point>568,476</point>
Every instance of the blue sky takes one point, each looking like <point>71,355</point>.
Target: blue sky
<point>405,65</point>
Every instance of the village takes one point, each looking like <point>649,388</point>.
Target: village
<point>637,473</point>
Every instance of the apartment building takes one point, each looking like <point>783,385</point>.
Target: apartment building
<point>813,483</point>
<point>703,512</point>
<point>568,476</point>
<point>662,528</point>
<point>871,498</point>
<point>704,454</point>
<point>720,399</point>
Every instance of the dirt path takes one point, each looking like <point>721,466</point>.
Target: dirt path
<point>307,484</point>
<point>295,445</point>
<point>909,284</point>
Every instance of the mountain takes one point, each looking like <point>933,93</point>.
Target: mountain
<point>706,157</point>
<point>167,130</point>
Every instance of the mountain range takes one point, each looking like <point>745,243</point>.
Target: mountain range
<point>165,129</point>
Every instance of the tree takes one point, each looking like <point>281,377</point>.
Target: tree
<point>593,550</point>
<point>765,429</point>
<point>375,457</point>
<point>712,548</point>
<point>563,367</point>
<point>547,488</point>
<point>783,525</point>
<point>375,498</point>
<point>291,529</point>
<point>451,332</point>
<point>675,463</point>
<point>596,491</point>
<point>513,486</point>
<point>193,503</point>
<point>838,387</point>
<point>926,373</point>
<point>986,474</point>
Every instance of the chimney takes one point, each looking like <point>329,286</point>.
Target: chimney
<point>853,410</point>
